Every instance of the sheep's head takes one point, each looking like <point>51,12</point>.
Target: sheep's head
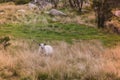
<point>42,45</point>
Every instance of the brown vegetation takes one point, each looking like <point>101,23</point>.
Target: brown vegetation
<point>10,12</point>
<point>80,60</point>
<point>113,59</point>
<point>85,60</point>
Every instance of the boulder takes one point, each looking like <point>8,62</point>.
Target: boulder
<point>2,11</point>
<point>32,5</point>
<point>113,26</point>
<point>42,4</point>
<point>55,12</point>
<point>54,19</point>
<point>21,11</point>
<point>117,13</point>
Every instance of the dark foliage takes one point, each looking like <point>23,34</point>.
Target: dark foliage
<point>21,1</point>
<point>103,12</point>
<point>76,4</point>
<point>16,1</point>
<point>5,42</point>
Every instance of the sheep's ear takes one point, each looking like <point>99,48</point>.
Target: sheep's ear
<point>39,44</point>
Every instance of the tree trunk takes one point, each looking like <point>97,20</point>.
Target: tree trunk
<point>71,4</point>
<point>101,21</point>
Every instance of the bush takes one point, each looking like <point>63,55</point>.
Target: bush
<point>42,76</point>
<point>16,1</point>
<point>5,42</point>
<point>2,1</point>
<point>21,1</point>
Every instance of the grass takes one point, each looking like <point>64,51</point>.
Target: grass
<point>58,31</point>
<point>78,61</point>
<point>41,27</point>
<point>85,59</point>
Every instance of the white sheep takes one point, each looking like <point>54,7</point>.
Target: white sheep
<point>46,49</point>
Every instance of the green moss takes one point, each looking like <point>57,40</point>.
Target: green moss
<point>42,76</point>
<point>58,31</point>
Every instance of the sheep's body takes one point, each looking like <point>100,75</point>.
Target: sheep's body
<point>46,49</point>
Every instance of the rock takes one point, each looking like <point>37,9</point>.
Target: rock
<point>21,11</point>
<point>113,26</point>
<point>43,4</point>
<point>2,11</point>
<point>32,5</point>
<point>117,13</point>
<point>85,11</point>
<point>54,19</point>
<point>55,12</point>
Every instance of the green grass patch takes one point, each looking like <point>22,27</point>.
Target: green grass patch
<point>58,31</point>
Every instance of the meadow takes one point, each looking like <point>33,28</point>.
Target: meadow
<point>69,32</point>
<point>81,51</point>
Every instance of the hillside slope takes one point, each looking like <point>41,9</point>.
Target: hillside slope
<point>81,51</point>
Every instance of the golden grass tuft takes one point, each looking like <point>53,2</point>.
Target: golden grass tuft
<point>113,59</point>
<point>11,14</point>
<point>79,60</point>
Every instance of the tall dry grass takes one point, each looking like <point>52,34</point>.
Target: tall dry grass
<point>84,60</point>
<point>11,13</point>
<point>113,59</point>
